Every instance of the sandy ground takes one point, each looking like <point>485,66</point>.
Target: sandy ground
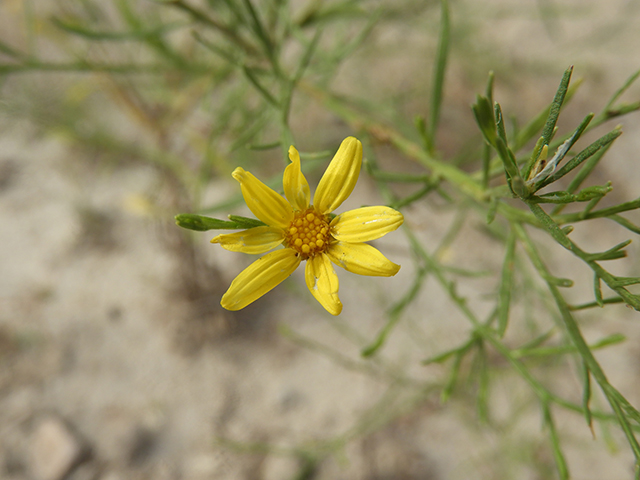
<point>99,348</point>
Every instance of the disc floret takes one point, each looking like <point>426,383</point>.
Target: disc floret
<point>308,233</point>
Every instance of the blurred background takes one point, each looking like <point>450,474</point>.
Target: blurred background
<point>116,360</point>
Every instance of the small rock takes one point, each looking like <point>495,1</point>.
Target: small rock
<point>55,449</point>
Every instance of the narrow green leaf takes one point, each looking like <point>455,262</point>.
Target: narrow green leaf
<point>395,315</point>
<point>623,109</point>
<point>484,114</point>
<point>439,71</point>
<point>556,105</point>
<point>587,168</point>
<point>82,31</point>
<point>626,281</point>
<point>612,254</point>
<point>561,464</point>
<point>482,401</point>
<point>535,155</point>
<point>229,56</point>
<point>157,42</point>
<point>415,196</point>
<point>421,127</point>
<point>252,77</point>
<point>228,31</point>
<point>559,282</point>
<point>506,284</point>
<point>606,301</point>
<point>544,167</point>
<point>7,50</point>
<point>201,223</point>
<point>551,226</point>
<point>516,182</point>
<point>629,409</point>
<point>500,128</point>
<point>306,56</point>
<point>539,340</point>
<point>580,157</point>
<point>489,88</point>
<point>621,90</point>
<point>623,409</point>
<point>493,210</point>
<point>260,31</point>
<point>529,131</point>
<point>453,377</point>
<point>625,223</point>
<point>265,146</point>
<point>614,339</point>
<point>595,192</point>
<point>586,396</point>
<point>486,165</point>
<point>597,290</point>
<point>442,357</point>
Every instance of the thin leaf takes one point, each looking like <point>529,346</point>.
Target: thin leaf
<point>622,89</point>
<point>516,183</point>
<point>550,166</point>
<point>506,284</point>
<point>561,463</point>
<point>439,70</point>
<point>484,114</point>
<point>551,226</point>
<point>625,223</point>
<point>602,142</point>
<point>556,105</point>
<point>82,31</point>
<point>586,396</point>
<point>395,315</point>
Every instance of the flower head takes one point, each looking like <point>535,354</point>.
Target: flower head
<point>307,232</point>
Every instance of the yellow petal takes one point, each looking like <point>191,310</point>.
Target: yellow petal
<point>265,203</point>
<point>323,283</point>
<point>341,176</point>
<point>296,187</point>
<point>252,241</point>
<point>362,259</point>
<point>259,278</point>
<point>365,224</point>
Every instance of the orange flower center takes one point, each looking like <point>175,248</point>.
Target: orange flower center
<point>308,233</point>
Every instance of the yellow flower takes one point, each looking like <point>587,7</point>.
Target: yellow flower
<point>307,232</point>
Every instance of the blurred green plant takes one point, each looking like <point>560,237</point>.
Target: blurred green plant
<point>204,80</point>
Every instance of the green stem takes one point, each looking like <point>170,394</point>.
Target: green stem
<point>574,333</point>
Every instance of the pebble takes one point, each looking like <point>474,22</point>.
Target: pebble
<point>55,449</point>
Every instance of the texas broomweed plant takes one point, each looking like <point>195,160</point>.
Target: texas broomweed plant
<point>308,232</point>
<point>239,64</point>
